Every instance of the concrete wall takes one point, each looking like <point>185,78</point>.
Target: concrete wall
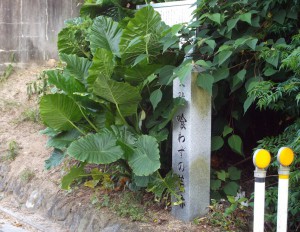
<point>29,28</point>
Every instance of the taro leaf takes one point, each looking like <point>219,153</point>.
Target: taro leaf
<point>205,81</point>
<point>76,66</point>
<point>102,67</point>
<point>56,158</point>
<point>96,148</point>
<point>105,33</point>
<point>160,135</point>
<point>74,174</point>
<point>123,95</point>
<point>141,181</point>
<point>215,184</point>
<point>140,59</point>
<point>234,173</point>
<point>142,35</point>
<point>216,143</point>
<point>137,74</point>
<point>145,159</point>
<point>68,84</point>
<point>63,140</point>
<point>49,132</point>
<point>231,188</point>
<point>125,138</point>
<point>155,98</point>
<point>223,56</point>
<point>236,144</point>
<point>59,111</point>
<point>69,43</point>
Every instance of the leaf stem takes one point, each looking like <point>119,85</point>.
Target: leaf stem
<point>86,118</point>
<point>123,119</point>
<point>77,128</point>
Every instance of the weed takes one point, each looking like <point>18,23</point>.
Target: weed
<point>11,151</point>
<point>27,175</point>
<point>9,69</point>
<point>38,87</point>
<point>128,206</point>
<point>229,216</point>
<point>31,114</point>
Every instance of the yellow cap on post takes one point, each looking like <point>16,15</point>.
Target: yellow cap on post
<point>285,156</point>
<point>261,158</point>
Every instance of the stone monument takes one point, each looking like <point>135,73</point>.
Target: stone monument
<point>191,147</point>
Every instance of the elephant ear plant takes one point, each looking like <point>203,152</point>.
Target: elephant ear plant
<point>112,102</point>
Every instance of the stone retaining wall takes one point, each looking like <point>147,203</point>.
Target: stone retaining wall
<point>29,28</point>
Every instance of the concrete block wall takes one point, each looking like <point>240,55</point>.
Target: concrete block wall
<point>29,28</point>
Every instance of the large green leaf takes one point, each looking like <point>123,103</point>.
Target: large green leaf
<point>142,35</point>
<point>59,111</point>
<point>75,173</point>
<point>56,158</point>
<point>123,95</point>
<point>63,139</point>
<point>96,148</point>
<point>76,66</point>
<point>137,74</point>
<point>68,84</point>
<point>145,159</point>
<point>72,40</point>
<point>102,67</point>
<point>105,33</point>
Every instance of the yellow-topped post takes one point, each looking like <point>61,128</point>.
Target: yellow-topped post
<point>261,161</point>
<point>285,158</point>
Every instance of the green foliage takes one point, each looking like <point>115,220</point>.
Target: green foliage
<point>107,104</point>
<point>225,183</point>
<point>228,215</point>
<point>12,151</point>
<point>250,49</point>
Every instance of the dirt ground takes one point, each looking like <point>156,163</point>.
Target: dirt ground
<point>24,148</point>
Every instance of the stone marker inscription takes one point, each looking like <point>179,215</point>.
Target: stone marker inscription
<point>191,128</point>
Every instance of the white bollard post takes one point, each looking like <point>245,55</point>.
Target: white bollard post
<point>285,157</point>
<point>261,160</point>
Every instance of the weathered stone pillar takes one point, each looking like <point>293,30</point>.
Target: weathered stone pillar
<point>192,147</point>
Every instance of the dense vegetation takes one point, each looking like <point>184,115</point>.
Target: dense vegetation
<point>112,102</point>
